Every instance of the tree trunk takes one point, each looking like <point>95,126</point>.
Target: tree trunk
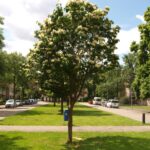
<point>67,102</point>
<point>130,96</point>
<point>54,102</point>
<point>14,91</point>
<point>14,88</point>
<point>23,94</point>
<point>70,108</point>
<point>62,106</point>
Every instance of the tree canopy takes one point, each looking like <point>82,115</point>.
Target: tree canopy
<point>2,54</point>
<point>142,51</point>
<point>1,34</point>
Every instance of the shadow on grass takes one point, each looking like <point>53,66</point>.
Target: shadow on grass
<point>48,106</point>
<point>81,106</point>
<point>33,112</point>
<point>9,143</point>
<point>90,113</point>
<point>111,143</point>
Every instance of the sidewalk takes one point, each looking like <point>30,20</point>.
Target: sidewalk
<point>76,128</point>
<point>132,114</point>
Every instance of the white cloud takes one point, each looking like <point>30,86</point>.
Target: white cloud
<point>126,37</point>
<point>20,21</point>
<point>141,18</point>
<point>20,46</point>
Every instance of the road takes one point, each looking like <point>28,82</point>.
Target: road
<point>4,112</point>
<point>132,114</point>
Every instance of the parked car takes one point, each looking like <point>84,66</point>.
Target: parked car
<point>33,101</point>
<point>97,101</point>
<point>19,102</point>
<point>113,103</point>
<point>90,102</point>
<point>27,102</point>
<point>104,102</point>
<point>10,103</point>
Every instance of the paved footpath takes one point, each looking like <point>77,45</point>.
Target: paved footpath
<point>76,128</point>
<point>129,113</point>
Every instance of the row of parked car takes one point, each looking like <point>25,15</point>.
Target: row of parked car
<point>14,103</point>
<point>111,103</point>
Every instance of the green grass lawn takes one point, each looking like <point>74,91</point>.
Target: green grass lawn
<point>83,116</point>
<point>89,141</point>
<point>146,108</point>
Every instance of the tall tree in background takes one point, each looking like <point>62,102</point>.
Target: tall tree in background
<point>112,83</point>
<point>15,71</point>
<point>129,71</point>
<point>142,51</point>
<point>1,34</point>
<point>2,54</point>
<point>76,42</point>
<point>3,59</point>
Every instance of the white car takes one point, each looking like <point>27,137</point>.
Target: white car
<point>10,103</point>
<point>113,103</point>
<point>97,101</point>
<point>18,102</point>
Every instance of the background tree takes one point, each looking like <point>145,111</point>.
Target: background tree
<point>142,51</point>
<point>112,84</point>
<point>2,54</point>
<point>76,42</point>
<point>1,34</point>
<point>15,71</point>
<point>129,68</point>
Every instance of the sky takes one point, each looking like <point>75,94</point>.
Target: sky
<point>21,16</point>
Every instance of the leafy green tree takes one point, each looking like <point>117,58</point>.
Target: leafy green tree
<point>142,51</point>
<point>3,64</point>
<point>3,72</point>
<point>32,73</point>
<point>112,83</point>
<point>2,54</point>
<point>129,68</point>
<point>15,71</point>
<point>1,34</point>
<point>75,42</point>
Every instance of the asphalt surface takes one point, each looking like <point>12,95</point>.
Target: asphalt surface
<point>5,112</point>
<point>132,114</point>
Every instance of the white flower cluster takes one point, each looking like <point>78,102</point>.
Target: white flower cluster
<point>50,43</point>
<point>38,43</point>
<point>78,1</point>
<point>79,27</point>
<point>48,21</point>
<point>94,42</point>
<point>41,35</point>
<point>59,31</point>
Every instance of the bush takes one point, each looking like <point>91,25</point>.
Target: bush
<point>85,99</point>
<point>124,100</point>
<point>1,101</point>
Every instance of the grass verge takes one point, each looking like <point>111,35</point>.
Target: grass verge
<point>82,141</point>
<point>144,108</point>
<point>83,116</point>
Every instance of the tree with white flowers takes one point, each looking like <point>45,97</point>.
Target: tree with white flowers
<point>74,43</point>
